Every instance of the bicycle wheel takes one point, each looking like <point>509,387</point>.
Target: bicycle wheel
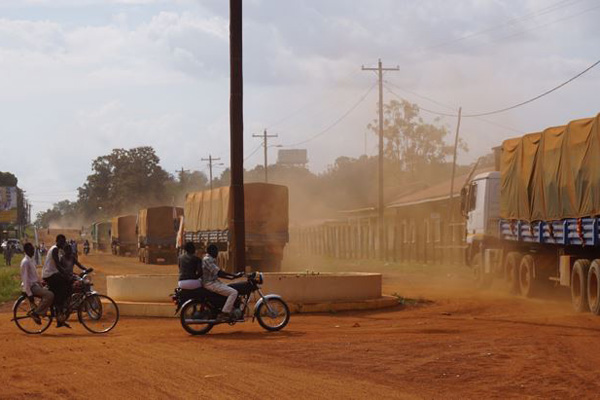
<point>98,313</point>
<point>192,312</point>
<point>23,320</point>
<point>273,314</point>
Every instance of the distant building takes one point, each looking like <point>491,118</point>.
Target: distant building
<point>293,157</point>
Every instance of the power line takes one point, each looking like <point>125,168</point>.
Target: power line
<point>253,152</point>
<point>340,119</point>
<point>530,15</point>
<point>482,114</point>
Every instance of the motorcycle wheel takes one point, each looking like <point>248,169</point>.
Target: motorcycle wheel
<point>196,310</point>
<point>24,322</point>
<point>276,318</point>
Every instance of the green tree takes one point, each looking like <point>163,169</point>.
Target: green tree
<point>410,142</point>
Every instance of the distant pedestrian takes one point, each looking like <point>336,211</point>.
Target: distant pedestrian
<point>8,253</point>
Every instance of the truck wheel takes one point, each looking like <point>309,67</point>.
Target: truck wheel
<point>526,282</point>
<point>579,275</point>
<point>593,287</point>
<point>511,270</point>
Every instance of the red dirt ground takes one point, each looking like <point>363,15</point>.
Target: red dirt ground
<point>463,344</point>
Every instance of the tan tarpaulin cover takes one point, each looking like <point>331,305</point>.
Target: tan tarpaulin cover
<point>266,209</point>
<point>123,228</point>
<point>158,222</point>
<point>552,175</point>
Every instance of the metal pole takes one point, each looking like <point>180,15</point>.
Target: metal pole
<point>236,120</point>
<point>266,163</point>
<point>451,206</point>
<point>210,170</point>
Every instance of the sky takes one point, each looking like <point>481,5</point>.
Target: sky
<point>82,77</point>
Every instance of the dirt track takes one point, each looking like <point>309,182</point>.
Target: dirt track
<point>465,344</point>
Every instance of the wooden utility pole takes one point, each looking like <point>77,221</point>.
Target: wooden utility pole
<point>265,139</point>
<point>451,205</point>
<point>380,205</point>
<point>210,160</point>
<point>236,126</point>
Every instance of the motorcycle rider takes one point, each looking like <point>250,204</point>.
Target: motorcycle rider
<point>210,281</point>
<point>52,272</point>
<point>190,268</point>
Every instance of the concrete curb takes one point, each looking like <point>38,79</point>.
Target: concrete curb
<point>142,309</point>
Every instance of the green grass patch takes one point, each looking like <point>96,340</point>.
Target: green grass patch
<point>10,282</point>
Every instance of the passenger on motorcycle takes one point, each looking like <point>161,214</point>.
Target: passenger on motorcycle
<point>32,285</point>
<point>190,268</point>
<point>52,273</point>
<point>210,280</point>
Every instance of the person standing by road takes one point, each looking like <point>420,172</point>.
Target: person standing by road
<point>52,273</point>
<point>31,284</point>
<point>8,254</point>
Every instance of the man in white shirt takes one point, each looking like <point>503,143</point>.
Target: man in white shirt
<point>31,284</point>
<point>53,273</point>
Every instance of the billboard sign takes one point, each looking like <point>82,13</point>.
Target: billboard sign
<point>8,204</point>
<point>292,157</point>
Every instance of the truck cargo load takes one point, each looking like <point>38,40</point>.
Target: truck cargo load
<point>208,219</point>
<point>157,233</point>
<point>552,175</point>
<point>123,235</point>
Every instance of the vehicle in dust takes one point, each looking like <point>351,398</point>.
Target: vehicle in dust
<point>101,235</point>
<point>123,239</point>
<point>157,234</point>
<point>207,219</point>
<point>536,220</point>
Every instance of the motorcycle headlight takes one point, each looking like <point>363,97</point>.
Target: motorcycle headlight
<point>87,280</point>
<point>258,278</point>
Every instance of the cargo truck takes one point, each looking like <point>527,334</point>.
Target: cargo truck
<point>157,234</point>
<point>123,237</point>
<point>536,220</point>
<point>101,236</point>
<point>208,219</point>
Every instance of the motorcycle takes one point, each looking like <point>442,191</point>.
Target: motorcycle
<point>96,312</point>
<point>200,307</point>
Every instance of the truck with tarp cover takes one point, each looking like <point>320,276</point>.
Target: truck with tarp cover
<point>101,235</point>
<point>536,220</point>
<point>123,239</point>
<point>208,219</point>
<point>157,234</point>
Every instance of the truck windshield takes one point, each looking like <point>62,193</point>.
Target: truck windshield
<point>472,197</point>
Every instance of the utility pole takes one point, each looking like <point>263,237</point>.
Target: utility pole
<point>380,204</point>
<point>265,139</point>
<point>210,160</point>
<point>451,208</point>
<point>236,135</point>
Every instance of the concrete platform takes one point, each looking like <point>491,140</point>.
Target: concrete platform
<point>139,309</point>
<point>149,295</point>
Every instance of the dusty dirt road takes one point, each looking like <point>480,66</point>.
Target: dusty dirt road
<point>459,344</point>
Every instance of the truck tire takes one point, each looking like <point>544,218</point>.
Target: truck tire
<point>511,271</point>
<point>526,278</point>
<point>593,287</point>
<point>579,275</point>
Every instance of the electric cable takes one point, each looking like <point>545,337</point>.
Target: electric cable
<point>337,121</point>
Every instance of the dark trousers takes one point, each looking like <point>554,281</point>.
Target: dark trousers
<point>59,286</point>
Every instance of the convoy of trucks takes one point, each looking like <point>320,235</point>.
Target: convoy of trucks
<point>157,234</point>
<point>123,235</point>
<point>101,235</point>
<point>207,219</point>
<point>536,219</point>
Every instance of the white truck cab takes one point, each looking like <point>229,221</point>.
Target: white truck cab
<point>480,204</point>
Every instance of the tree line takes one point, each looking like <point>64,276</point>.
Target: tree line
<point>124,181</point>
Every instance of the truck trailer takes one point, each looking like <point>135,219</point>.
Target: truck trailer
<point>208,220</point>
<point>123,237</point>
<point>157,234</point>
<point>101,235</point>
<point>536,220</point>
